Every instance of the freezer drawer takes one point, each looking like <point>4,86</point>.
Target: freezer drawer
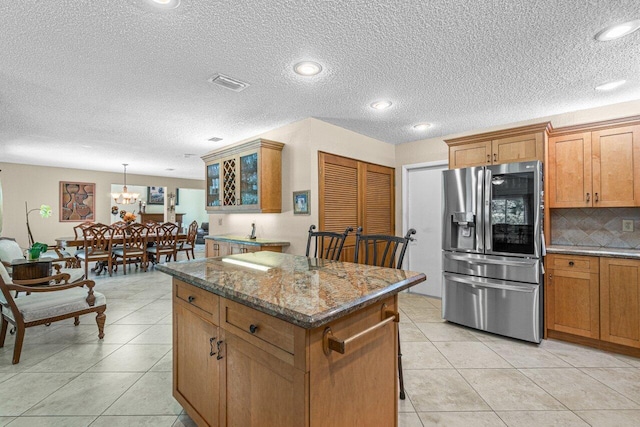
<point>492,266</point>
<point>507,308</point>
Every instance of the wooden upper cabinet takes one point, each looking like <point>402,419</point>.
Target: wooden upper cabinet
<point>595,165</point>
<point>569,171</point>
<point>468,155</point>
<point>616,166</point>
<point>245,178</point>
<point>620,301</point>
<point>519,144</point>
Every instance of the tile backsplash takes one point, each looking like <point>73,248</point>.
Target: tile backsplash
<point>598,227</point>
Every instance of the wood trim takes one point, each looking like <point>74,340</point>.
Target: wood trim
<point>503,133</point>
<point>595,126</point>
<point>590,342</point>
<point>239,148</point>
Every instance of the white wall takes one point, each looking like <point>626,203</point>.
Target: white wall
<point>192,205</point>
<point>302,141</point>
<point>41,185</point>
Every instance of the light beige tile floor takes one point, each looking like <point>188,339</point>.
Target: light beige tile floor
<point>454,376</point>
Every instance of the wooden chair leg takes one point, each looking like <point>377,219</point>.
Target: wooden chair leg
<point>3,330</point>
<point>101,318</point>
<point>400,376</point>
<point>17,349</point>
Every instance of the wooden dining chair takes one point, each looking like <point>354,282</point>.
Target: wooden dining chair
<point>98,240</point>
<point>78,232</point>
<point>166,236</point>
<point>189,243</point>
<point>384,251</point>
<point>133,249</point>
<point>326,244</point>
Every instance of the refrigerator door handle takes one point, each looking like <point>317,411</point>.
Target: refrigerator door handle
<point>513,262</point>
<point>479,209</point>
<point>486,201</point>
<point>477,285</point>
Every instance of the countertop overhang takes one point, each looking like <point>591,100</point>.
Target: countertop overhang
<point>308,292</point>
<point>247,241</point>
<point>594,251</point>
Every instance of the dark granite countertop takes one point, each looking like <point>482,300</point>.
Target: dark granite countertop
<point>247,241</point>
<point>594,251</point>
<point>307,292</point>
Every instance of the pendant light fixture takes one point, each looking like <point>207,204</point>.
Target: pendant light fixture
<point>125,198</point>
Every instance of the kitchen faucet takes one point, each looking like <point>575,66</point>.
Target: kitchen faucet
<point>253,231</point>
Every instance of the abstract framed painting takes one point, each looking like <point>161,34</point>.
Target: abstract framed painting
<point>77,201</point>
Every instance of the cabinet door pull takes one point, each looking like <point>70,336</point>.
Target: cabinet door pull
<point>488,158</point>
<point>588,197</point>
<point>596,194</point>
<point>191,298</point>
<point>570,263</point>
<point>550,278</point>
<point>253,328</point>
<point>219,345</point>
<point>211,341</point>
<point>329,342</point>
<point>495,157</point>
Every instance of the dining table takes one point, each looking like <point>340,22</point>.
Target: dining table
<point>78,242</point>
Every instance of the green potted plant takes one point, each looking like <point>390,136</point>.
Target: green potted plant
<point>36,249</point>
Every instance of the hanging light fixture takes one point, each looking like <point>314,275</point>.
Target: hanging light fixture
<point>125,198</point>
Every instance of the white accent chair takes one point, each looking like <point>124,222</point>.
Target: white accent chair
<point>46,304</point>
<point>10,251</point>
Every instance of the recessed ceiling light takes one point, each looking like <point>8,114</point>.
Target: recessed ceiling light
<point>611,85</point>
<point>619,30</point>
<point>307,68</point>
<point>422,126</point>
<point>381,105</point>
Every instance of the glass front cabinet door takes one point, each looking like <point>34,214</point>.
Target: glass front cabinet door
<point>245,178</point>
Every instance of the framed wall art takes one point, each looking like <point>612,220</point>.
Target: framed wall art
<point>77,201</point>
<point>155,195</point>
<point>301,203</point>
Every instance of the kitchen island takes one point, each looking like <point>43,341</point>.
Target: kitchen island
<point>266,338</point>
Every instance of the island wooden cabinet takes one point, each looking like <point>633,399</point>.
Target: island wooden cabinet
<point>620,301</point>
<point>595,165</point>
<point>573,294</point>
<point>245,178</point>
<point>196,367</point>
<point>257,370</point>
<point>520,144</point>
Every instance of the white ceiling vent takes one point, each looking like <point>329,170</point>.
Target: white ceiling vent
<point>228,83</point>
<point>215,139</point>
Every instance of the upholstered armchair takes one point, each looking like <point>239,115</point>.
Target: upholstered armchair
<point>46,304</point>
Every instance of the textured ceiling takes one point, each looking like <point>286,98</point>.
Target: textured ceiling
<point>93,84</point>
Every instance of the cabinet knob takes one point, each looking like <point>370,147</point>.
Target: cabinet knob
<point>570,263</point>
<point>596,194</point>
<point>495,157</point>
<point>588,197</point>
<point>488,158</point>
<point>253,329</point>
<point>191,298</point>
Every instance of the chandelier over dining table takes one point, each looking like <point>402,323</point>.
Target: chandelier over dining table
<point>125,198</point>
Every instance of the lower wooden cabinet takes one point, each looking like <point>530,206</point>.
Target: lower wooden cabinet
<point>594,301</point>
<point>572,295</point>
<point>236,366</point>
<point>620,301</point>
<point>215,248</point>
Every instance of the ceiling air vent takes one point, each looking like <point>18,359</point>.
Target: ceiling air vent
<point>215,139</point>
<point>228,83</point>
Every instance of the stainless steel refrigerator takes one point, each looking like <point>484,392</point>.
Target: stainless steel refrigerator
<point>492,245</point>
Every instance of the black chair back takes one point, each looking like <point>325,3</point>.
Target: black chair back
<point>382,250</point>
<point>326,244</point>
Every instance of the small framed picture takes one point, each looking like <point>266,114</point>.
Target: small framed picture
<point>155,195</point>
<point>301,203</point>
